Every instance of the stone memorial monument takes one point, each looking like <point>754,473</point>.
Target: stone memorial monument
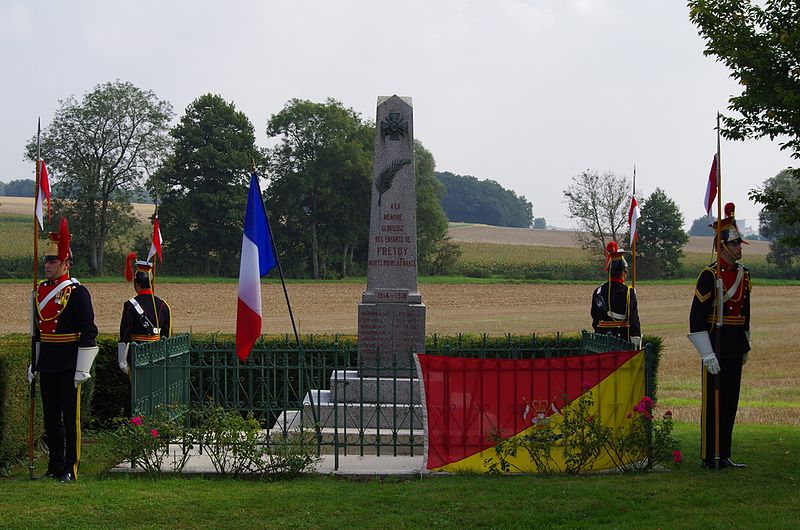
<point>391,315</point>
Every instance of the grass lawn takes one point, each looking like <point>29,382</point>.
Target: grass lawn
<point>762,496</point>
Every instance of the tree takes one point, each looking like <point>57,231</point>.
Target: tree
<point>203,185</point>
<point>97,150</point>
<point>761,46</point>
<point>19,188</point>
<point>471,200</point>
<point>436,253</point>
<point>661,237</point>
<point>320,183</point>
<point>702,226</point>
<point>783,230</point>
<point>600,204</point>
<point>540,223</point>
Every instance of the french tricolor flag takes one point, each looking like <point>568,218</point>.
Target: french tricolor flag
<point>258,258</point>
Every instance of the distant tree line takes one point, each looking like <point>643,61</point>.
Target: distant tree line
<point>469,200</point>
<point>18,188</point>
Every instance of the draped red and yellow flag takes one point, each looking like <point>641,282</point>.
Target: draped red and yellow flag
<point>470,402</point>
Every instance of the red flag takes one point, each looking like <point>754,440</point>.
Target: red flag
<point>155,246</point>
<point>711,187</point>
<point>633,217</point>
<point>42,194</point>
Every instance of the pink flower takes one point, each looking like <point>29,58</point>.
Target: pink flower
<point>668,414</point>
<point>590,419</point>
<point>677,456</point>
<point>136,420</point>
<point>629,415</point>
<point>154,433</point>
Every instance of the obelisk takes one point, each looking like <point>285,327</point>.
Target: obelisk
<point>391,315</point>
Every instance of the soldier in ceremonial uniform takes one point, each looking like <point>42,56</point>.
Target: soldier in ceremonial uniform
<point>65,336</point>
<point>145,317</point>
<point>614,307</point>
<point>723,350</point>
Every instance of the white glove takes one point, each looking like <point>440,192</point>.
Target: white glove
<point>86,357</point>
<point>744,359</point>
<point>702,343</point>
<point>637,342</point>
<point>122,356</point>
<point>81,377</point>
<point>31,375</point>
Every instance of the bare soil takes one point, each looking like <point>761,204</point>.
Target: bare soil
<point>771,384</point>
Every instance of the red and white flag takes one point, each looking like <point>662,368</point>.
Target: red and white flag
<point>711,187</point>
<point>42,194</point>
<point>633,217</point>
<point>155,246</point>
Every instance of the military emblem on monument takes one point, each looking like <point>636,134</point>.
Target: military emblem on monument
<point>394,126</point>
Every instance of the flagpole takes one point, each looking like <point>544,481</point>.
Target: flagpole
<point>633,244</point>
<point>300,351</point>
<point>718,294</point>
<point>32,407</point>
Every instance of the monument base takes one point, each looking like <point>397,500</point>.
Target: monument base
<point>388,336</point>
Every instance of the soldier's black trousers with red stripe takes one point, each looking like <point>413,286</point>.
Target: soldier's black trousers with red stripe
<point>730,378</point>
<point>60,409</point>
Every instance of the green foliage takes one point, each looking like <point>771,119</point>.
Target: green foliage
<point>661,238</point>
<point>146,440</point>
<point>19,188</point>
<point>97,150</point>
<point>318,197</point>
<point>758,41</point>
<point>702,226</point>
<point>435,251</point>
<point>600,204</point>
<point>470,200</point>
<point>780,225</point>
<point>580,438</point>
<point>645,442</point>
<point>484,260</point>
<point>203,186</point>
<point>15,356</point>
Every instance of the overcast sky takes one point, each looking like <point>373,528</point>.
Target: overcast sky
<point>527,93</point>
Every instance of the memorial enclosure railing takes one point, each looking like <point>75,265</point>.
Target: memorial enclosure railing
<point>320,388</point>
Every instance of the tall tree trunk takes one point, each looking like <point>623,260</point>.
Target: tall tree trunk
<point>314,243</point>
<point>344,260</point>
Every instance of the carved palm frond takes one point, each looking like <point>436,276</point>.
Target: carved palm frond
<point>384,181</point>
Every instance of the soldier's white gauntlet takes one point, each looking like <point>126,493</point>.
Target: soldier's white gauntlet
<point>637,342</point>
<point>84,365</point>
<point>702,343</point>
<point>122,356</point>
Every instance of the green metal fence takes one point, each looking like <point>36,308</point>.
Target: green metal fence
<point>320,387</point>
<point>160,373</point>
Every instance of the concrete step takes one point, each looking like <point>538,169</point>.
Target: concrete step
<point>347,386</point>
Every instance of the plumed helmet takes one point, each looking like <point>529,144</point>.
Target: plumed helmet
<point>141,271</point>
<point>58,244</point>
<point>615,261</point>
<point>728,230</point>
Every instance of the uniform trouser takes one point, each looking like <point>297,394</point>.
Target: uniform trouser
<point>730,378</point>
<point>61,409</point>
